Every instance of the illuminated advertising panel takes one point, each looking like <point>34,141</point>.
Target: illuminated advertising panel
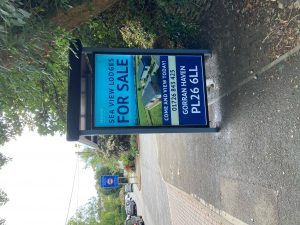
<point>149,90</point>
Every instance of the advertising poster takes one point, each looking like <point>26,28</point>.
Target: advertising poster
<point>149,90</point>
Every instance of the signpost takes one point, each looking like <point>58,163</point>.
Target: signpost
<point>129,91</point>
<point>109,181</point>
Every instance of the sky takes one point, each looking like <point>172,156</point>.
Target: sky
<point>38,180</point>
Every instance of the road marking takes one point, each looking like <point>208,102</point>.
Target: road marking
<point>255,75</point>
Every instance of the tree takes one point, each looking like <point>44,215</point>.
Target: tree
<point>2,221</point>
<point>3,160</point>
<point>3,198</point>
<point>112,212</point>
<point>113,145</point>
<point>93,214</point>
<point>96,159</point>
<point>33,62</point>
<point>33,94</point>
<point>11,15</point>
<point>70,19</point>
<point>87,214</point>
<point>111,218</point>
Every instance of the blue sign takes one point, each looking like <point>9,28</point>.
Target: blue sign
<point>109,181</point>
<point>149,90</point>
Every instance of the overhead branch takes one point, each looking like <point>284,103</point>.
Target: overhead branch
<point>81,13</point>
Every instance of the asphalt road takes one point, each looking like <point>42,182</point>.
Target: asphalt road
<point>251,168</point>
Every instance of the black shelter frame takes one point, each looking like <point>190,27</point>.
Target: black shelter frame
<point>80,95</point>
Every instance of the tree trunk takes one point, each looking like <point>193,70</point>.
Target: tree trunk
<point>80,14</point>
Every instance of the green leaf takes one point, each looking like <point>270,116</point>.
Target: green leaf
<point>24,13</point>
<point>17,22</point>
<point>2,29</point>
<point>10,7</point>
<point>8,22</point>
<point>2,12</point>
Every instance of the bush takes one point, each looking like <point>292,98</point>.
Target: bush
<point>120,26</point>
<point>128,158</point>
<point>134,35</point>
<point>11,15</point>
<point>113,145</point>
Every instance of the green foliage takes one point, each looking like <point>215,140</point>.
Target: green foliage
<point>112,148</point>
<point>14,14</point>
<point>3,198</point>
<point>33,86</point>
<point>128,158</point>
<point>118,27</point>
<point>95,159</point>
<point>111,203</point>
<point>134,35</point>
<point>87,214</point>
<point>91,158</point>
<point>124,158</point>
<point>133,145</point>
<point>104,210</point>
<point>33,67</point>
<point>11,15</point>
<point>45,8</point>
<point>61,3</point>
<point>167,3</point>
<point>143,24</point>
<point>33,59</point>
<point>101,33</point>
<point>3,160</point>
<point>113,212</point>
<point>113,145</point>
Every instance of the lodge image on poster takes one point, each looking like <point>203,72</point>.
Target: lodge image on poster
<point>148,89</point>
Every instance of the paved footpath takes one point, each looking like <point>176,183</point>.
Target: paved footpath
<point>249,170</point>
<point>248,173</point>
<point>185,209</point>
<point>159,201</point>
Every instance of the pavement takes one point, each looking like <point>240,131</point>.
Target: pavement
<point>249,172</point>
<point>250,169</point>
<point>185,209</point>
<point>151,193</point>
<point>162,203</point>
